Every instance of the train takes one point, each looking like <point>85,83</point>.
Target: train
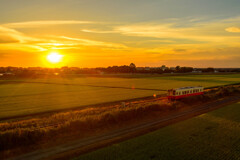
<point>178,93</point>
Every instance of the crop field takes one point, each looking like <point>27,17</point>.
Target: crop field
<point>27,96</point>
<point>212,136</point>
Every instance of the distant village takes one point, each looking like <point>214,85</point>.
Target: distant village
<point>132,68</point>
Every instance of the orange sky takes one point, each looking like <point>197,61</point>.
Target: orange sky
<point>99,34</point>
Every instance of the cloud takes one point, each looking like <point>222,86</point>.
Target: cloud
<point>98,31</point>
<point>165,30</point>
<point>12,39</point>
<point>233,29</point>
<point>149,30</point>
<point>179,50</point>
<point>87,42</point>
<point>30,24</point>
<point>8,35</point>
<point>198,33</point>
<point>8,39</point>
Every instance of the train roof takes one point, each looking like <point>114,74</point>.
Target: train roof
<point>183,88</point>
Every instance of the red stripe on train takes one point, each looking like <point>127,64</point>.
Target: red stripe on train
<point>186,95</point>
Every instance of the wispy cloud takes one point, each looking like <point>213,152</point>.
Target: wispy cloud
<point>152,30</point>
<point>98,31</point>
<point>87,42</point>
<point>208,32</point>
<point>233,29</point>
<point>30,24</point>
<point>9,35</point>
<point>12,39</point>
<point>13,36</point>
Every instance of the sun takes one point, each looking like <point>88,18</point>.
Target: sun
<point>54,57</point>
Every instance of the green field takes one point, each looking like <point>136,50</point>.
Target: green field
<point>17,98</point>
<point>211,136</point>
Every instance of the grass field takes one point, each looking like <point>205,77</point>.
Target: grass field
<point>212,136</point>
<point>17,98</point>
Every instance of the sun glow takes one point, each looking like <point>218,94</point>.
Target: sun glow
<point>54,57</point>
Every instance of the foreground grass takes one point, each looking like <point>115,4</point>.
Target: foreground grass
<point>215,135</point>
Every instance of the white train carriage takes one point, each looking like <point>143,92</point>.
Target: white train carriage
<point>182,92</point>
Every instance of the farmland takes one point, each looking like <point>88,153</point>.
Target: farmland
<point>27,96</point>
<point>214,136</point>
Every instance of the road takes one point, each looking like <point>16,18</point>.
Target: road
<point>82,145</point>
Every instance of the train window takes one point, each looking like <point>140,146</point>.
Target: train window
<point>174,92</point>
<point>169,92</point>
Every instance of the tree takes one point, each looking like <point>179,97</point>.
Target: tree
<point>177,68</point>
<point>132,65</point>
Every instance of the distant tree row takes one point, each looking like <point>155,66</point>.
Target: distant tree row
<point>38,71</point>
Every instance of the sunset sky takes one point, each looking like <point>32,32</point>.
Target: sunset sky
<point>100,33</point>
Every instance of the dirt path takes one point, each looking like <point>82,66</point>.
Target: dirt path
<point>77,147</point>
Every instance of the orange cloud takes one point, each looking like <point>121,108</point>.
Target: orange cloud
<point>87,42</point>
<point>9,35</point>
<point>233,29</point>
<point>30,24</point>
